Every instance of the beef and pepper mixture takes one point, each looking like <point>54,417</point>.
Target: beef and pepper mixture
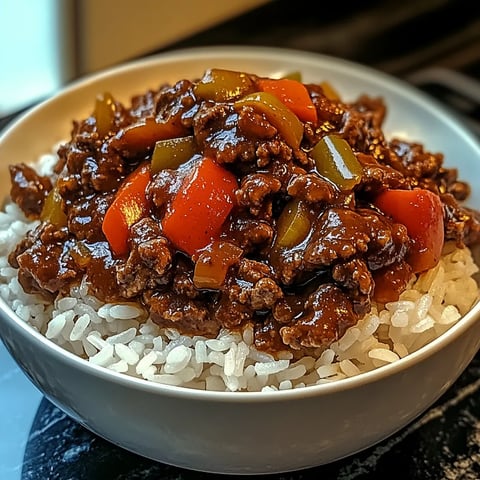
<point>234,199</point>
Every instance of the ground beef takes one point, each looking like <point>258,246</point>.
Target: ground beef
<point>29,189</point>
<point>327,315</point>
<point>298,256</point>
<point>88,211</point>
<point>44,262</point>
<point>172,310</point>
<point>255,193</point>
<point>149,263</point>
<point>217,131</point>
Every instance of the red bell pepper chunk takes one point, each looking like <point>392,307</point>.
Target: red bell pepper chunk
<point>293,94</point>
<point>129,206</point>
<point>200,207</point>
<point>421,211</point>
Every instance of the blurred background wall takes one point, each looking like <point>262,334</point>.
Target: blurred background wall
<point>46,43</point>
<point>434,44</point>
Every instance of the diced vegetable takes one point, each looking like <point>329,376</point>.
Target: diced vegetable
<point>222,85</point>
<point>335,160</point>
<point>52,210</point>
<point>104,114</point>
<point>213,263</point>
<point>81,254</point>
<point>329,91</point>
<point>280,116</point>
<point>171,153</point>
<point>294,75</point>
<point>200,207</point>
<point>421,212</point>
<point>139,138</point>
<point>129,206</point>
<point>293,94</point>
<point>293,225</point>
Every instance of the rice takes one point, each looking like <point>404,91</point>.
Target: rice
<point>122,338</point>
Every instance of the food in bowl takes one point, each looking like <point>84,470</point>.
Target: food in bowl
<point>238,232</point>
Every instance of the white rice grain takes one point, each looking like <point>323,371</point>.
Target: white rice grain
<point>218,345</point>
<point>88,348</point>
<point>325,371</point>
<point>369,326</point>
<point>229,361</point>
<point>127,354</point>
<point>55,326</point>
<point>85,309</point>
<point>240,358</point>
<point>449,315</point>
<point>201,355</point>
<point>423,325</point>
<point>383,354</point>
<point>24,312</point>
<point>400,318</point>
<point>148,373</point>
<point>350,336</point>
<point>124,336</point>
<point>66,303</point>
<point>349,368</point>
<point>269,368</point>
<point>215,384</point>
<point>217,358</point>
<point>137,347</point>
<point>146,362</point>
<point>292,373</point>
<point>95,339</point>
<point>261,357</point>
<point>121,366</point>
<point>327,357</point>
<point>80,328</point>
<point>104,357</point>
<point>232,383</point>
<point>158,343</point>
<point>177,359</point>
<point>248,335</point>
<point>125,312</point>
<point>400,349</point>
<point>285,385</point>
<point>423,306</point>
<point>187,374</point>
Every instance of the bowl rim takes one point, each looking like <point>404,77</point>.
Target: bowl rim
<point>239,52</point>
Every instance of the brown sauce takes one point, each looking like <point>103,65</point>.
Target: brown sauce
<point>302,279</point>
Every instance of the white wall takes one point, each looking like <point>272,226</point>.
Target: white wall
<point>32,47</point>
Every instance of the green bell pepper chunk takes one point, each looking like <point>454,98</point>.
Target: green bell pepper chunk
<point>52,211</point>
<point>335,160</point>
<point>222,85</point>
<point>104,114</point>
<point>172,152</point>
<point>279,115</point>
<point>293,225</point>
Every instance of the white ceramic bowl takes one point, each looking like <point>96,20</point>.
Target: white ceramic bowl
<point>244,432</point>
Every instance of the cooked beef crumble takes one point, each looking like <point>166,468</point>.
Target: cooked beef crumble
<point>298,254</point>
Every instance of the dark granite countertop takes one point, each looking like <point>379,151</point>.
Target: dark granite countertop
<point>39,442</point>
